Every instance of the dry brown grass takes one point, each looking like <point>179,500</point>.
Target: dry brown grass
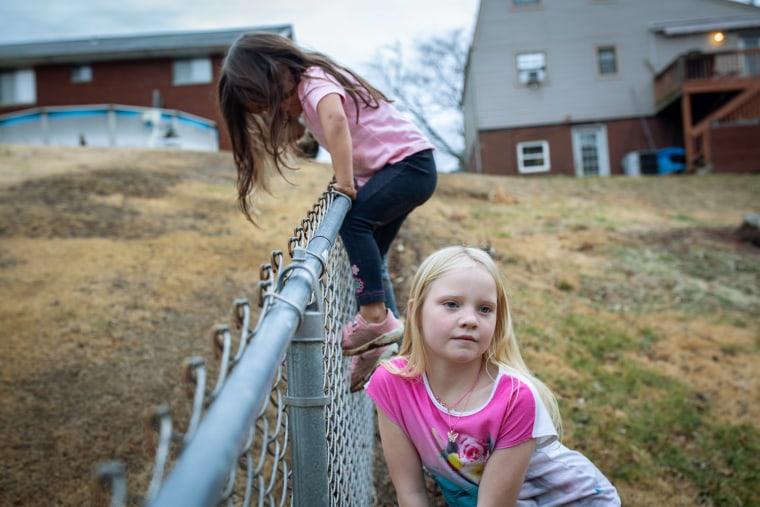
<point>115,264</point>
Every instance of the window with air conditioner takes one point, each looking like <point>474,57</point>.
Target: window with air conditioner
<point>533,157</point>
<point>18,87</point>
<point>531,68</point>
<point>192,71</point>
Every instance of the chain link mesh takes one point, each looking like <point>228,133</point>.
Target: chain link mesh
<point>350,417</point>
<point>263,474</point>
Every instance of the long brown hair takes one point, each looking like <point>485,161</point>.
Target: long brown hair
<point>254,72</point>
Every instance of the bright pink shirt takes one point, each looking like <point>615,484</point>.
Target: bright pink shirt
<point>382,136</point>
<point>510,417</point>
<point>513,414</point>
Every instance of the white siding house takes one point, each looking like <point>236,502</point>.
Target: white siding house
<point>568,86</point>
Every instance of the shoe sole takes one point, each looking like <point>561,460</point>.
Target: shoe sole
<point>380,341</point>
<point>359,386</point>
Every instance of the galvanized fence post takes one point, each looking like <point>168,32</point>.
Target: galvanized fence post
<point>306,402</point>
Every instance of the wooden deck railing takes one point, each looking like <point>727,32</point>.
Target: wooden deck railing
<point>704,68</point>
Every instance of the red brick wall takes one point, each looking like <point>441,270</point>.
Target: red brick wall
<point>736,149</point>
<point>625,136</point>
<point>498,148</point>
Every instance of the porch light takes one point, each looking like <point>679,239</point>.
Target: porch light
<point>718,37</point>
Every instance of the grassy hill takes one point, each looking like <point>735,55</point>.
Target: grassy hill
<point>633,299</point>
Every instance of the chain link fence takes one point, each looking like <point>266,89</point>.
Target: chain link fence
<point>278,425</point>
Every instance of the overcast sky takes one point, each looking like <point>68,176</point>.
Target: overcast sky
<point>350,31</point>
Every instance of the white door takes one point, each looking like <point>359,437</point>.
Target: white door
<point>590,152</point>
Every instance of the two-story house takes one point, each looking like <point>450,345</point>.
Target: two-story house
<point>141,90</point>
<point>575,87</point>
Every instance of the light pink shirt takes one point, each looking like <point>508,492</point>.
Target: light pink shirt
<point>382,136</point>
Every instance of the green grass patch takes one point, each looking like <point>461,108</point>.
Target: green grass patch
<point>648,425</point>
<point>696,280</point>
<point>685,218</point>
<point>590,340</point>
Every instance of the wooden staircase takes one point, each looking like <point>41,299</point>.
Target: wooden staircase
<point>691,77</point>
<point>743,107</point>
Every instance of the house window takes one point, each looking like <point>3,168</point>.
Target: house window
<point>751,59</point>
<point>18,87</point>
<point>750,42</point>
<point>606,59</point>
<point>81,74</point>
<point>531,68</point>
<point>533,157</point>
<point>192,71</point>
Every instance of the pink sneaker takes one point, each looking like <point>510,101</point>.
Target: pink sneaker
<point>363,366</point>
<point>360,336</point>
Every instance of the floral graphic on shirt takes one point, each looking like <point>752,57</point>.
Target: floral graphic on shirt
<point>467,455</point>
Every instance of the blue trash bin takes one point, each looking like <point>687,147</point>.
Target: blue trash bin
<point>671,160</point>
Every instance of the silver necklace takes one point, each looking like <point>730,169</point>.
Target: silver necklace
<point>452,434</point>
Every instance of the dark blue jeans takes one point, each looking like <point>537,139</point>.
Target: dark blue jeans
<point>376,215</point>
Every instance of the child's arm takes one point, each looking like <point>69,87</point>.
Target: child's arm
<point>504,475</point>
<point>403,464</point>
<point>338,139</point>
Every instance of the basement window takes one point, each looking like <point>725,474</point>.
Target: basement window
<point>533,157</point>
<point>192,71</point>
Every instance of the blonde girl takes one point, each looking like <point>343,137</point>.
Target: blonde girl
<point>460,402</point>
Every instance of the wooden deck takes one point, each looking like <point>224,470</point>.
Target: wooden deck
<point>731,77</point>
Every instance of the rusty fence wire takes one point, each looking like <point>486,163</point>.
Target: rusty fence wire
<point>278,425</point>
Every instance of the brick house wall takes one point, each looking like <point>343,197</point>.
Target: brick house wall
<point>498,148</point>
<point>736,149</point>
<point>126,70</point>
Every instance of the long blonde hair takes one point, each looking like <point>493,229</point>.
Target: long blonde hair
<point>504,350</point>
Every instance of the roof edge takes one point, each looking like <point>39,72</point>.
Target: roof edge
<point>689,26</point>
<point>123,47</point>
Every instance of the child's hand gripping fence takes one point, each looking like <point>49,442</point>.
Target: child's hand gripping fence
<point>247,441</point>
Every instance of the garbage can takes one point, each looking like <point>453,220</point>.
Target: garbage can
<point>671,160</point>
<point>636,163</point>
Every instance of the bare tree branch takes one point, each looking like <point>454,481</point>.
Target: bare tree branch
<point>426,81</point>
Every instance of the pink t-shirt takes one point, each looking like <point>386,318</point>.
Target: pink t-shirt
<point>513,414</point>
<point>383,136</point>
<point>510,417</point>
